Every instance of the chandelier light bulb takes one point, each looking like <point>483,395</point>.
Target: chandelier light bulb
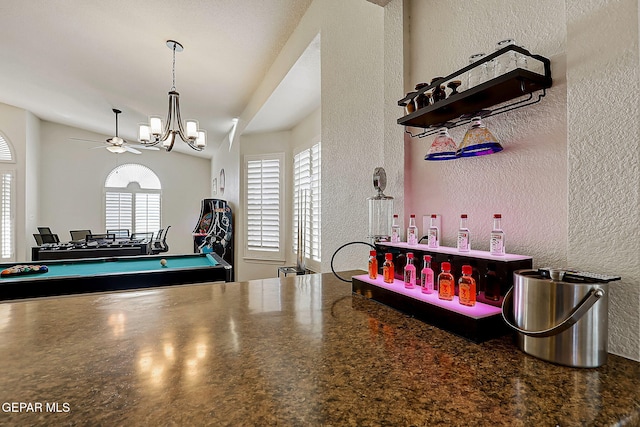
<point>144,133</point>
<point>155,123</point>
<point>192,129</point>
<point>201,140</point>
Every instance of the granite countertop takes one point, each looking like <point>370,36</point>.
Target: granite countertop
<point>291,351</point>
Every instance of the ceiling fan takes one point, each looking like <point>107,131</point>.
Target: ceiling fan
<point>117,145</point>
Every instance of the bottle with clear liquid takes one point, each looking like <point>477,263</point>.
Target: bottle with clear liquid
<point>467,287</point>
<point>409,272</point>
<point>446,282</point>
<point>464,238</point>
<point>395,230</point>
<point>497,236</point>
<point>426,276</point>
<point>388,268</point>
<point>373,265</point>
<point>412,231</point>
<point>434,233</point>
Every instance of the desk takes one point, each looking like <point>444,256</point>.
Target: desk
<point>66,251</point>
<point>294,351</point>
<point>107,274</point>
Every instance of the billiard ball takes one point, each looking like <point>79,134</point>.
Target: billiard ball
<point>163,262</point>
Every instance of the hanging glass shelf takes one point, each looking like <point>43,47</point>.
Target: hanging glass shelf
<point>521,86</point>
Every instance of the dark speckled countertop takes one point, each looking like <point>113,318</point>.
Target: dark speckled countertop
<point>293,351</point>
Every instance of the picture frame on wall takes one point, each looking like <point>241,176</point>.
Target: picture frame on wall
<point>214,186</point>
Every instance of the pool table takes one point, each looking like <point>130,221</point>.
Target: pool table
<point>78,276</point>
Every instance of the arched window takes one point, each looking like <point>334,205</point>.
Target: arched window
<point>133,199</point>
<point>7,194</point>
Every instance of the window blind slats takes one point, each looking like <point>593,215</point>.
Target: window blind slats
<point>6,217</point>
<point>138,210</point>
<point>307,167</point>
<point>263,177</point>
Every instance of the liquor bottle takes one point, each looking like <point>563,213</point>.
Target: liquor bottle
<point>497,236</point>
<point>387,268</point>
<point>492,283</point>
<point>434,233</point>
<point>464,239</point>
<point>426,276</point>
<point>395,230</point>
<point>409,272</point>
<point>467,287</point>
<point>373,265</point>
<point>446,282</point>
<point>412,231</point>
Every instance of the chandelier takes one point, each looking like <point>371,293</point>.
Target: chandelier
<point>156,131</point>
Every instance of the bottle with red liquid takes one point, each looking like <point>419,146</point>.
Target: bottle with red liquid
<point>409,272</point>
<point>467,287</point>
<point>426,276</point>
<point>446,282</point>
<point>388,268</point>
<point>373,265</point>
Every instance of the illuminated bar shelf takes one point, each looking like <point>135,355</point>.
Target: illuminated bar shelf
<point>454,251</point>
<point>480,261</point>
<point>478,323</point>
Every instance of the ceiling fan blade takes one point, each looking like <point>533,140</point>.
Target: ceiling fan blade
<point>86,140</point>
<point>132,150</point>
<point>146,147</point>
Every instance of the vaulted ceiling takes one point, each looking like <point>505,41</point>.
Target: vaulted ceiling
<point>72,61</point>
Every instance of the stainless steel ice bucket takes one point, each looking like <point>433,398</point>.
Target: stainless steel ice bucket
<point>560,322</point>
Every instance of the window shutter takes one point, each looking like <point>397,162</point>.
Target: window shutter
<point>263,205</point>
<point>6,215</point>
<point>306,187</point>
<point>5,151</point>
<point>118,210</point>
<point>315,210</point>
<point>137,208</point>
<point>147,212</point>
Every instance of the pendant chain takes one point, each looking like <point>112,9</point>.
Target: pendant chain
<point>174,68</point>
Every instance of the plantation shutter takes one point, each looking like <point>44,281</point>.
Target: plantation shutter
<point>263,206</point>
<point>133,195</point>
<point>307,201</point>
<point>118,210</point>
<point>147,212</point>
<point>314,221</point>
<point>6,213</point>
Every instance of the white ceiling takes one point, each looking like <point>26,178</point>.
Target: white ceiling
<point>72,61</point>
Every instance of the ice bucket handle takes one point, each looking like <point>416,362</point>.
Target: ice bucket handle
<point>587,302</point>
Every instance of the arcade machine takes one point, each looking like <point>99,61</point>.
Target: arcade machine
<point>214,230</point>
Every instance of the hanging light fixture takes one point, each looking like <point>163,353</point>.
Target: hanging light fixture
<point>156,132</point>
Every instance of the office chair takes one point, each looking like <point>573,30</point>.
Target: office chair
<point>160,243</point>
<point>77,235</point>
